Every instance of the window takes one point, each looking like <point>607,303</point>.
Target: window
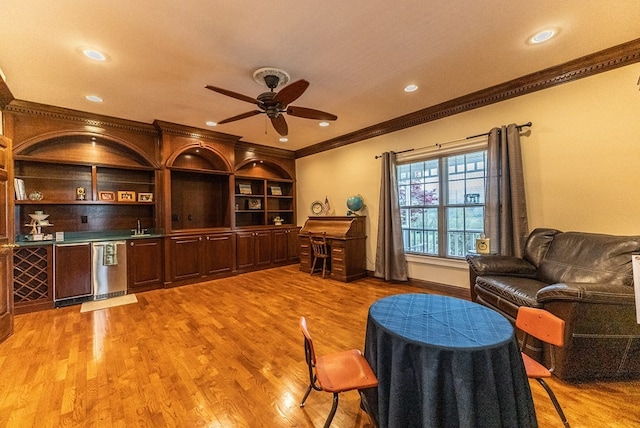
<point>442,204</point>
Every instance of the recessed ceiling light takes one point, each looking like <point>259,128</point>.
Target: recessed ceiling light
<point>411,88</point>
<point>284,139</point>
<point>94,98</point>
<point>542,36</point>
<point>211,123</point>
<point>323,124</point>
<point>94,54</point>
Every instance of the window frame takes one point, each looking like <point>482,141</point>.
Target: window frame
<point>444,204</point>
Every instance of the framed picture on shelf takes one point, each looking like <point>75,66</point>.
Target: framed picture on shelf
<point>276,191</point>
<point>255,204</point>
<point>145,197</point>
<point>106,196</point>
<point>126,196</point>
<point>245,189</point>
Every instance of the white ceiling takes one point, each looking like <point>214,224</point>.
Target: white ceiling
<point>357,54</point>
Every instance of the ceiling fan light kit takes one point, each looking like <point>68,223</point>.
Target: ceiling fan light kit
<point>274,104</point>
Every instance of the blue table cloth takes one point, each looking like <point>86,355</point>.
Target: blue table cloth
<point>444,362</point>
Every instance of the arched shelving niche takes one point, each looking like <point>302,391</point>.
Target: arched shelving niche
<point>200,182</point>
<point>264,193</point>
<point>84,148</point>
<point>86,182</point>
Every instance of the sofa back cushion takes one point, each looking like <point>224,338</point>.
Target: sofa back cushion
<point>589,258</point>
<point>538,244</point>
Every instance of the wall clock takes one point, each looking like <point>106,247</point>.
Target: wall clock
<point>317,207</point>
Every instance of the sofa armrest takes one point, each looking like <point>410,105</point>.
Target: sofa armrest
<point>587,292</point>
<point>501,265</point>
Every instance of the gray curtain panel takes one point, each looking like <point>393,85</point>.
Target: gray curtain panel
<point>505,220</point>
<point>391,264</point>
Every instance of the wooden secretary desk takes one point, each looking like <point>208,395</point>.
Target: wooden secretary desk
<point>346,238</point>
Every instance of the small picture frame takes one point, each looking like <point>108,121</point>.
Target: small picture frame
<point>245,189</point>
<point>255,204</point>
<point>145,197</point>
<point>276,191</point>
<point>106,196</point>
<point>126,196</point>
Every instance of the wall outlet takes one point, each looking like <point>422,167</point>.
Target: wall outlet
<point>84,219</point>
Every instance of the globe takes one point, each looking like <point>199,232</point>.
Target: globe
<point>354,203</point>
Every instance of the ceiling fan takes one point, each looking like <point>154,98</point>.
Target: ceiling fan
<point>275,104</point>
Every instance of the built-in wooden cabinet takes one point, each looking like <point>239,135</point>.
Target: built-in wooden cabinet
<point>32,278</point>
<point>72,271</point>
<point>219,206</point>
<point>253,249</point>
<point>286,248</point>
<point>200,256</point>
<point>144,264</point>
<point>219,253</point>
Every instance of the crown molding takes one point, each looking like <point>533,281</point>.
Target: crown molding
<point>599,62</point>
<point>192,132</point>
<point>85,118</point>
<point>5,94</point>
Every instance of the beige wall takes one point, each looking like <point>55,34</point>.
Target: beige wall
<point>581,162</point>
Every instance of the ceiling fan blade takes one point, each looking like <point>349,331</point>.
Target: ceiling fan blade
<point>309,113</point>
<point>233,95</point>
<point>291,92</point>
<point>240,116</point>
<point>280,125</point>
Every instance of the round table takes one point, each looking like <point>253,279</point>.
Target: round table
<point>444,362</point>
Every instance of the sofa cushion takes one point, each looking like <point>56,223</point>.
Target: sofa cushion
<point>538,244</point>
<point>589,258</point>
<point>518,291</point>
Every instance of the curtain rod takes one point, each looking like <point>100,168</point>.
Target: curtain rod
<point>528,124</point>
<point>517,126</point>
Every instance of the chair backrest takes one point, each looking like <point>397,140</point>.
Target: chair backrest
<point>541,324</point>
<point>319,244</point>
<point>309,352</point>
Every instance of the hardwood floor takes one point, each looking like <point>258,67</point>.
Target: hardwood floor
<point>225,353</point>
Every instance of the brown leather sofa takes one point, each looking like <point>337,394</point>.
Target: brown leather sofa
<point>585,279</point>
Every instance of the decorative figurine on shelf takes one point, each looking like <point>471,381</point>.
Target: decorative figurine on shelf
<point>38,221</point>
<point>278,221</point>
<point>81,193</point>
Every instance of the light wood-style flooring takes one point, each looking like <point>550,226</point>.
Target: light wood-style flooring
<point>225,353</point>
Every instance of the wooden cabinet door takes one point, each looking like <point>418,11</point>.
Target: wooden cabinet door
<point>293,244</point>
<point>144,264</point>
<point>72,276</point>
<point>245,250</point>
<point>262,248</point>
<point>6,252</point>
<point>280,245</point>
<point>218,253</point>
<point>185,257</point>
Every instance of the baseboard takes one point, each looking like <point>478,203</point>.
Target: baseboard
<point>449,290</point>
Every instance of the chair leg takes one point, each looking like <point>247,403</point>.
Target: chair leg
<point>555,402</point>
<point>306,394</point>
<point>327,424</point>
<point>313,265</point>
<point>324,267</point>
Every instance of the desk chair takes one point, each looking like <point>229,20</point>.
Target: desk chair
<point>335,373</point>
<point>549,328</point>
<point>320,251</point>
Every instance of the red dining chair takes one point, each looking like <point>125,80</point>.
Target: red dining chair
<point>548,328</point>
<point>338,372</point>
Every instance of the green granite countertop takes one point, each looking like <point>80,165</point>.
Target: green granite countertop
<point>82,237</point>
